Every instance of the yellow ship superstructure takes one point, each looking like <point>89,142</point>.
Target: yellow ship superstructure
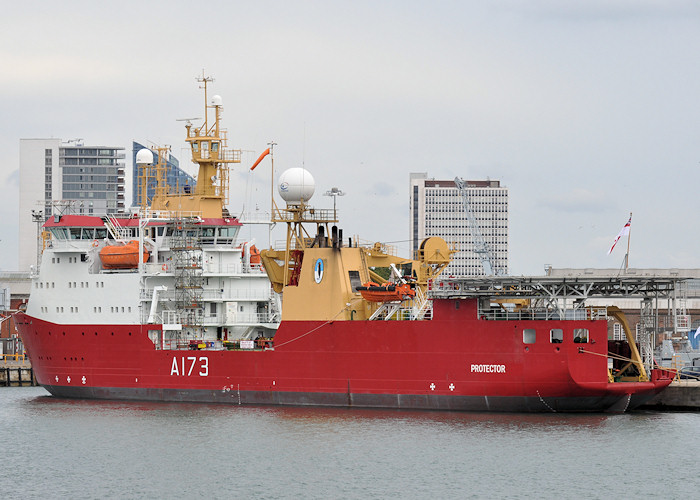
<point>208,144</point>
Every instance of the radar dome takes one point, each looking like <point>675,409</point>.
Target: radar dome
<point>144,157</point>
<point>217,100</point>
<point>296,184</point>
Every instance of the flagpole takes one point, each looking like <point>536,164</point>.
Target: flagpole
<point>627,255</point>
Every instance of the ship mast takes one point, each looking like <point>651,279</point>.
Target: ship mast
<point>208,144</point>
<point>154,175</point>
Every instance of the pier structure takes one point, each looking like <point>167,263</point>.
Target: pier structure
<point>16,371</point>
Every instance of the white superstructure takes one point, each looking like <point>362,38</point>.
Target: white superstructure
<point>198,281</point>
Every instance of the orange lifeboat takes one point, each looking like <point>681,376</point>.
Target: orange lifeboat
<point>254,254</point>
<point>388,292</point>
<point>122,256</point>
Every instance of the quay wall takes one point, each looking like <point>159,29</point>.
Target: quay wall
<point>13,374</point>
<point>681,395</point>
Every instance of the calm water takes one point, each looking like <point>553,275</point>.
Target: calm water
<point>85,449</point>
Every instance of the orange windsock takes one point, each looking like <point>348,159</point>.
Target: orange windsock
<point>265,153</point>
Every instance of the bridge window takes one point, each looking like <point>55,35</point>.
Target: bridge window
<point>59,233</point>
<point>529,336</point>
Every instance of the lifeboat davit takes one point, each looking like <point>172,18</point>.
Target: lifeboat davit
<point>388,292</point>
<point>122,256</point>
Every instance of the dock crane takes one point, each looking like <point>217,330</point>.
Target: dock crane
<point>480,246</point>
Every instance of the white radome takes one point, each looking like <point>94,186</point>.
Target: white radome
<point>296,184</point>
<point>144,157</point>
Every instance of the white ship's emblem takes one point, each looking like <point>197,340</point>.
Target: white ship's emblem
<point>452,387</point>
<point>318,270</point>
<point>432,387</point>
<point>56,378</point>
<point>84,379</point>
<point>68,379</point>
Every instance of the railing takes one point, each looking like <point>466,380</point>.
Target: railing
<point>68,244</point>
<point>281,245</point>
<point>402,312</point>
<point>172,317</point>
<point>230,155</point>
<point>307,215</point>
<point>238,318</point>
<point>13,275</point>
<point>168,214</point>
<point>188,345</point>
<point>13,357</point>
<point>215,345</point>
<point>208,294</point>
<point>116,230</point>
<point>589,313</point>
<point>255,218</point>
<point>413,314</point>
<point>237,268</point>
<point>209,268</point>
<point>420,304</point>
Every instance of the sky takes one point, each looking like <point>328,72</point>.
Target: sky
<point>585,111</point>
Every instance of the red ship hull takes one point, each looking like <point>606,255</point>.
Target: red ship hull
<point>452,362</point>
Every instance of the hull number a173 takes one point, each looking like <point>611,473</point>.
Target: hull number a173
<point>189,366</point>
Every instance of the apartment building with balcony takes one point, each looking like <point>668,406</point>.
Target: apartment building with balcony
<point>59,177</point>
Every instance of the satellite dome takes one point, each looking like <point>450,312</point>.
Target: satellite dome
<point>216,100</point>
<point>144,157</point>
<point>296,184</point>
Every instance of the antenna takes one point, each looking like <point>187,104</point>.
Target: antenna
<point>204,79</point>
<point>334,192</point>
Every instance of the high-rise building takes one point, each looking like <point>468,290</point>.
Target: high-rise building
<point>437,209</point>
<point>79,179</point>
<point>175,177</point>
